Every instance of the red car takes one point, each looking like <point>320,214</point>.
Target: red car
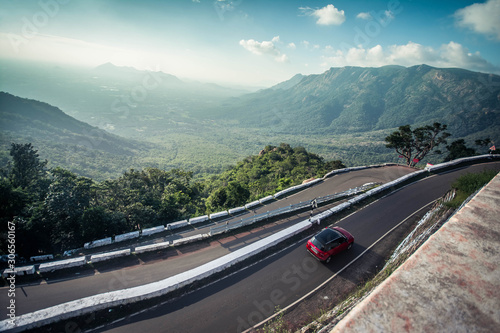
<point>329,242</point>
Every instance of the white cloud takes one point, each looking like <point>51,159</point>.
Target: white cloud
<point>264,48</point>
<point>482,18</point>
<point>292,46</point>
<point>328,15</point>
<point>364,16</point>
<point>448,55</point>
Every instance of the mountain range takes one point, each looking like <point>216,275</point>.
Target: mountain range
<point>103,121</point>
<point>355,99</point>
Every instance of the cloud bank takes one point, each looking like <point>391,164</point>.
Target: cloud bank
<point>448,55</point>
<point>482,18</point>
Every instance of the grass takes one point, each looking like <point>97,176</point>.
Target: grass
<point>467,184</point>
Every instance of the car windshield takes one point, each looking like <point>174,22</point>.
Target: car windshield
<point>325,237</point>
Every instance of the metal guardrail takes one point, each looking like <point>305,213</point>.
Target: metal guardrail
<point>225,227</point>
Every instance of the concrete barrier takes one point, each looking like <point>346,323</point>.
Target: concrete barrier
<point>252,204</point>
<point>152,247</point>
<point>190,239</point>
<point>266,199</point>
<point>97,243</point>
<point>236,210</point>
<point>198,219</point>
<point>127,236</point>
<point>153,230</point>
<point>61,264</point>
<point>17,271</point>
<point>214,216</point>
<point>286,191</point>
<point>176,225</point>
<point>41,258</point>
<point>460,161</point>
<point>110,255</point>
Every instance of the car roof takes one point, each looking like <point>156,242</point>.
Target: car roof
<point>328,235</point>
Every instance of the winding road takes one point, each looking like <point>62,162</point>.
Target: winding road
<point>146,268</point>
<point>245,298</point>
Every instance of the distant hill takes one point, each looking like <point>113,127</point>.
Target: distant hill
<point>66,141</point>
<point>285,85</point>
<point>341,114</point>
<point>355,99</point>
<point>123,100</point>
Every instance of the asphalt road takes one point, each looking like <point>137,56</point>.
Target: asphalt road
<point>106,278</point>
<point>245,298</point>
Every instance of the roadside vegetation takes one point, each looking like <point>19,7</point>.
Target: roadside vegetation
<point>467,184</point>
<point>55,209</point>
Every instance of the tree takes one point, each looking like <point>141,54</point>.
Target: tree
<point>487,144</point>
<point>414,145</point>
<point>458,149</point>
<point>27,168</point>
<point>68,197</point>
<point>97,223</point>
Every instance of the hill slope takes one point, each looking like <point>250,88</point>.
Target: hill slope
<point>66,141</point>
<point>355,99</point>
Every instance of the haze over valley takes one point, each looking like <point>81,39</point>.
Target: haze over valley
<point>201,85</point>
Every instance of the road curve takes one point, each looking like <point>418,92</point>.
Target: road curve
<point>49,293</point>
<point>243,299</point>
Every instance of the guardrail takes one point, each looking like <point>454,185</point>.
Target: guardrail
<point>287,210</point>
<point>204,218</point>
<point>461,161</point>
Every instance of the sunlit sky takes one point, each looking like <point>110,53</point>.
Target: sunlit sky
<point>252,42</point>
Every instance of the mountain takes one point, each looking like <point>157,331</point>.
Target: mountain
<point>357,100</point>
<point>123,100</point>
<point>285,85</point>
<point>110,71</point>
<point>65,141</point>
<point>341,114</point>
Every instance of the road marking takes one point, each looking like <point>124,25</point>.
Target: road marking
<point>341,270</point>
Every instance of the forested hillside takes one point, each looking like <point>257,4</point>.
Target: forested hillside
<point>78,146</point>
<point>359,100</point>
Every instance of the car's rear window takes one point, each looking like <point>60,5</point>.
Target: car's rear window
<point>325,237</point>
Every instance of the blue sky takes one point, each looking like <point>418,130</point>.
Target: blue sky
<point>252,42</point>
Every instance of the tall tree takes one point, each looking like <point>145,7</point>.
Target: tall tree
<point>27,168</point>
<point>414,145</point>
<point>458,149</point>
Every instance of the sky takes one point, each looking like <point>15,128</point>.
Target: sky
<point>252,42</point>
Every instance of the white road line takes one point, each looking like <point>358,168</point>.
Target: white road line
<point>335,275</point>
